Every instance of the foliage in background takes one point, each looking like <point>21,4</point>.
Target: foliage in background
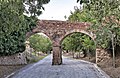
<point>14,25</point>
<point>78,42</point>
<point>34,7</point>
<point>40,43</point>
<point>86,44</point>
<point>80,15</point>
<point>107,16</point>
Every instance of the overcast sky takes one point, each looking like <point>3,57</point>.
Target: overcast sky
<point>57,9</point>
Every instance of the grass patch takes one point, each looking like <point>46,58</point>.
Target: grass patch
<point>34,58</point>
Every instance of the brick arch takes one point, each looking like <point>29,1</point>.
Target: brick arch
<point>32,33</point>
<point>56,31</point>
<point>90,34</point>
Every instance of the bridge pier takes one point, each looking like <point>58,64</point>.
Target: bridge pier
<point>57,55</point>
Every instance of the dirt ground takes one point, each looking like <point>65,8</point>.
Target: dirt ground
<point>109,69</point>
<point>6,70</point>
<point>106,66</point>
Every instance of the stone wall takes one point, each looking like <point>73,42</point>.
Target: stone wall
<point>16,59</point>
<point>102,55</point>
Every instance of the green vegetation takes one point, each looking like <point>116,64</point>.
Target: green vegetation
<point>14,24</point>
<point>35,57</point>
<point>104,16</point>
<point>34,7</point>
<point>105,19</point>
<point>78,42</point>
<point>80,16</point>
<point>40,43</point>
<point>107,16</point>
<point>107,25</point>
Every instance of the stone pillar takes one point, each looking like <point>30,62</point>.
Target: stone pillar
<point>57,55</point>
<point>101,55</point>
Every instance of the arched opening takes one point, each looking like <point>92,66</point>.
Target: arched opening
<point>38,46</point>
<point>79,45</point>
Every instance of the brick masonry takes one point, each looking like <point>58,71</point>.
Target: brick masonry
<point>57,31</point>
<point>102,55</point>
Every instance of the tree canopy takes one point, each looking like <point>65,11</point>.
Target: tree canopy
<point>40,43</point>
<point>34,7</point>
<point>14,24</point>
<point>78,42</point>
<point>107,27</point>
<point>107,16</point>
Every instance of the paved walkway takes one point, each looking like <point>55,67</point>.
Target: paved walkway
<point>70,69</point>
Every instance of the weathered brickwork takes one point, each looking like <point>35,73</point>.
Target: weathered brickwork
<point>57,31</point>
<point>102,55</point>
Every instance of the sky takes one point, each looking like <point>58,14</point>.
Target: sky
<point>57,9</point>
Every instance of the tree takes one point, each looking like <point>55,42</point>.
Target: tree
<point>80,16</point>
<point>78,42</point>
<point>40,43</point>
<point>34,7</point>
<point>89,45</point>
<point>14,25</point>
<point>107,15</point>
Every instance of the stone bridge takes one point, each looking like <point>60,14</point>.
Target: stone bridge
<point>57,31</point>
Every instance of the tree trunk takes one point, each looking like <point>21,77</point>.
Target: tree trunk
<point>113,51</point>
<point>89,54</point>
<point>73,54</point>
